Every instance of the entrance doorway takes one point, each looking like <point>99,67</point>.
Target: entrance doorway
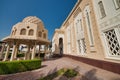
<point>61,46</point>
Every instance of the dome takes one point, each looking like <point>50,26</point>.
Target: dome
<point>32,19</point>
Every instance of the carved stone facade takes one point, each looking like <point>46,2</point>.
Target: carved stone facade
<point>82,32</point>
<point>109,27</point>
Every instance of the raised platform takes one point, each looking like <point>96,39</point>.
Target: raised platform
<point>110,66</point>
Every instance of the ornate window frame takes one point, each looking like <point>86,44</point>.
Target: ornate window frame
<point>112,42</point>
<point>31,32</point>
<point>89,25</point>
<point>23,31</point>
<point>79,31</point>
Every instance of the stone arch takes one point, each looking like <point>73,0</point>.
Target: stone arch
<point>23,32</point>
<point>31,32</point>
<point>13,32</point>
<point>39,34</point>
<point>61,45</point>
<point>44,35</point>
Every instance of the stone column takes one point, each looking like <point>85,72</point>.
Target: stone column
<point>46,48</point>
<point>13,51</point>
<point>28,53</point>
<point>33,51</point>
<point>2,50</point>
<point>46,52</point>
<point>39,51</point>
<point>16,51</point>
<point>7,53</point>
<point>25,55</point>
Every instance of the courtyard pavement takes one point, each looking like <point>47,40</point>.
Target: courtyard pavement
<point>50,66</point>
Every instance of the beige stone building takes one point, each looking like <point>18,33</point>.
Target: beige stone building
<point>108,18</point>
<point>81,37</point>
<point>30,32</point>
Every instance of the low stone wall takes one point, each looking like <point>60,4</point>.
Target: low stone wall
<point>110,66</point>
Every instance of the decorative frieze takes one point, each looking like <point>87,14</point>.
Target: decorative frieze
<point>107,24</point>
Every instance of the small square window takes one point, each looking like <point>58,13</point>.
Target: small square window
<point>101,9</point>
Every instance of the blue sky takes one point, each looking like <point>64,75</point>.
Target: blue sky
<point>51,12</point>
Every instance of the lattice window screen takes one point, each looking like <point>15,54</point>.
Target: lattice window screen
<point>79,45</point>
<point>84,46</point>
<point>112,41</point>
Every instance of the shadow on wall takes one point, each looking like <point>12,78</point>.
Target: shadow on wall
<point>56,49</point>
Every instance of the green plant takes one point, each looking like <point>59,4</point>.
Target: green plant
<point>20,55</point>
<point>70,73</point>
<point>9,55</point>
<point>42,55</point>
<point>61,71</point>
<point>19,66</point>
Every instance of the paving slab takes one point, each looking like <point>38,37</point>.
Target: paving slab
<point>51,66</point>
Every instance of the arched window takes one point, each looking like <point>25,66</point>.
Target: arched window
<point>15,31</point>
<point>12,32</point>
<point>39,34</point>
<point>61,45</point>
<point>60,42</point>
<point>23,32</point>
<point>31,32</point>
<point>44,35</point>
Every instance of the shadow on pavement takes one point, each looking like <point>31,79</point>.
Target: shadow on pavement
<point>43,66</point>
<point>90,75</point>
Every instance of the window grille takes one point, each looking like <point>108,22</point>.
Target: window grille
<point>112,41</point>
<point>79,45</point>
<point>80,40</point>
<point>84,46</point>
